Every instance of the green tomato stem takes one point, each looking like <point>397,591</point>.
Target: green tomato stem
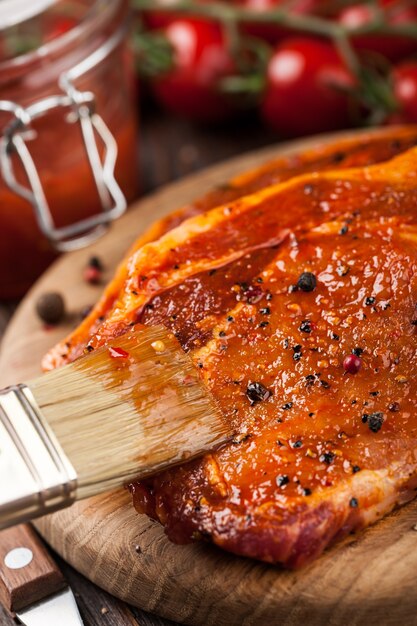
<point>376,92</point>
<point>308,23</point>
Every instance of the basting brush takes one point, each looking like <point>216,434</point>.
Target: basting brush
<point>123,412</point>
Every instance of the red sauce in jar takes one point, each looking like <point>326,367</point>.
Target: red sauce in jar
<point>56,144</point>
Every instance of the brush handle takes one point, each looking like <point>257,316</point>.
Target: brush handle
<point>36,477</point>
<point>27,572</point>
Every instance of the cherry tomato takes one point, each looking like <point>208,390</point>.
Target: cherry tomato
<point>201,59</point>
<point>298,6</point>
<point>404,78</point>
<point>392,47</point>
<point>306,88</point>
<point>357,15</point>
<point>156,20</point>
<point>270,32</point>
<point>274,32</point>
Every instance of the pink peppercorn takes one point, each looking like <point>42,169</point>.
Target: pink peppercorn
<point>352,364</point>
<point>92,275</point>
<point>118,353</point>
<point>251,294</point>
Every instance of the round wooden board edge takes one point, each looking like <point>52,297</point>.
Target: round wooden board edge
<point>106,541</point>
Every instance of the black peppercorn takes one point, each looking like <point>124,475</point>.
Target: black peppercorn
<point>306,282</point>
<point>305,326</point>
<point>282,480</point>
<point>50,307</point>
<point>375,421</point>
<point>327,457</point>
<point>353,503</point>
<point>257,392</point>
<point>95,261</point>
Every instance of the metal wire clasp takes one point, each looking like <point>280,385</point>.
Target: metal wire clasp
<point>82,106</point>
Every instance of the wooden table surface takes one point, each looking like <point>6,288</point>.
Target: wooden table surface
<point>169,149</point>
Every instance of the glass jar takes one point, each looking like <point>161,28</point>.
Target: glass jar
<point>68,155</point>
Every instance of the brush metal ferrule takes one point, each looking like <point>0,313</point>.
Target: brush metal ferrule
<point>36,477</point>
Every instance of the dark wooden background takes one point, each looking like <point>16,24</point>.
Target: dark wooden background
<point>169,149</point>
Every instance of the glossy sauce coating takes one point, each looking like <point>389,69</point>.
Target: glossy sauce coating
<point>319,451</point>
<point>367,149</point>
<point>306,450</point>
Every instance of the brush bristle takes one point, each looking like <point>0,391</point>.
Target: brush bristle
<point>123,416</point>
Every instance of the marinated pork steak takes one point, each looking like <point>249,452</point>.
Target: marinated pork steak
<point>298,306</point>
<point>368,148</point>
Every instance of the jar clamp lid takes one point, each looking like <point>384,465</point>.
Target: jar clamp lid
<point>81,108</point>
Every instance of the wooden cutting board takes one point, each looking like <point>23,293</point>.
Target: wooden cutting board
<point>367,580</point>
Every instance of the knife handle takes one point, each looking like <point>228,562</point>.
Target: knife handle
<point>27,572</point>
